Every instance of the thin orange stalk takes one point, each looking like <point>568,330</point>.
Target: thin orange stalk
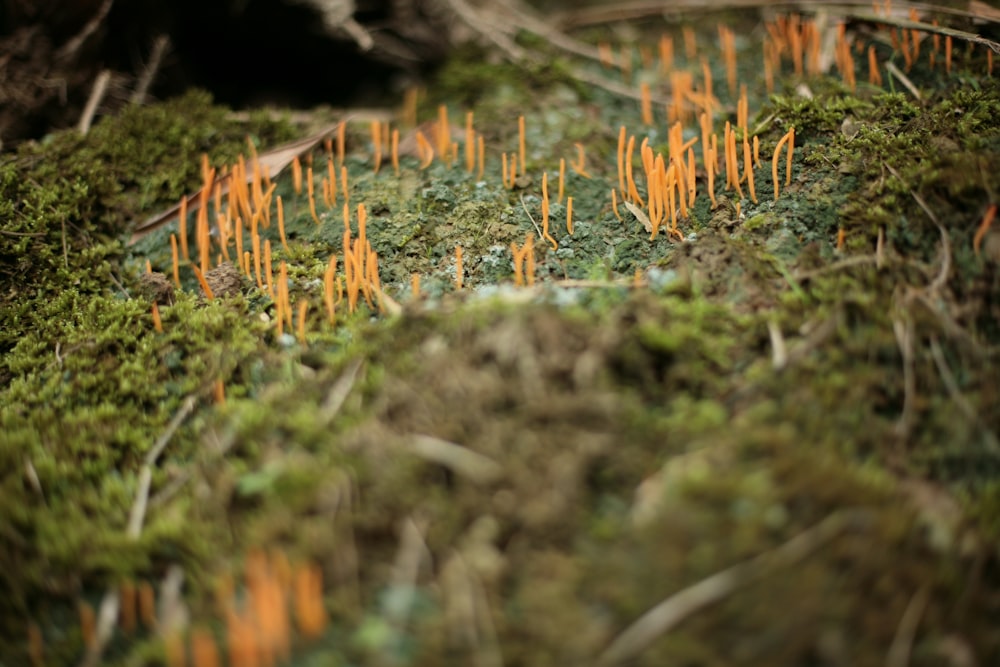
<point>646,103</point>
<point>788,163</point>
<point>425,149</point>
<point>580,166</point>
<point>374,284</point>
<point>182,228</point>
<point>255,244</point>
<point>201,236</point>
<point>768,66</point>
<point>204,652</point>
<point>173,647</point>
<point>341,132</point>
<point>296,175</point>
<point>442,133</point>
<point>984,227</point>
<point>312,198</point>
<point>621,160</point>
<point>562,180</point>
<point>201,281</point>
<point>265,205</point>
<point>947,54</point>
<point>459,273</point>
<point>173,253</point>
<point>545,211</point>
<point>415,285</point>
<point>157,322</point>
<point>729,56</point>
<point>395,151</point>
<point>748,169</point>
<point>481,156</point>
<point>795,44</point>
<point>241,639</point>
<point>470,143</point>
<point>331,176</point>
<point>666,48</point>
<point>706,74</point>
<point>690,42</point>
<point>679,183</point>
<point>711,177</point>
<point>604,55</point>
<point>147,605</point>
<point>529,259</point>
<point>245,266</point>
<point>735,163</point>
<point>646,55</point>
<point>325,186</point>
<point>219,392</point>
<point>518,264</point>
<point>614,204</point>
<point>774,162</point>
<point>309,612</point>
<point>331,270</point>
<point>283,286</point>
<point>841,236</point>
<point>633,193</point>
<point>376,130</point>
<point>362,224</point>
<point>725,146</point>
<point>225,233</point>
<point>569,215</point>
<point>281,224</point>
<point>128,613</point>
<point>905,48</point>
<point>268,271</point>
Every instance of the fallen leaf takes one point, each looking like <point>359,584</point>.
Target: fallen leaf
<point>274,161</point>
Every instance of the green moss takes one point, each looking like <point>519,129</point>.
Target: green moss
<point>635,441</point>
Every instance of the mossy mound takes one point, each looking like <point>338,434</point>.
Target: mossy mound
<point>787,418</point>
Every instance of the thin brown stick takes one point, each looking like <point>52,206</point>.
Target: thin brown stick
<point>902,643</point>
<point>667,614</point>
<point>160,45</point>
<point>903,79</point>
<point>948,378</point>
<point>579,18</point>
<point>70,48</point>
<point>108,612</point>
<point>488,30</point>
<point>96,95</point>
<point>903,329</point>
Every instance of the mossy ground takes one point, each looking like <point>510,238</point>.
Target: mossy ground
<point>634,440</point>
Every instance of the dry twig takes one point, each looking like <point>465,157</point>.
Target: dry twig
<point>160,45</point>
<point>96,95</point>
<point>108,613</point>
<point>70,48</point>
<point>666,615</point>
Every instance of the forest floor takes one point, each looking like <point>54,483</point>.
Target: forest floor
<point>765,433</point>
